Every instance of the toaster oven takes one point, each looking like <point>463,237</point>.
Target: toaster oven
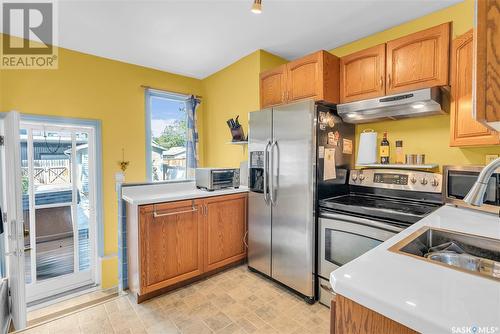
<point>217,178</point>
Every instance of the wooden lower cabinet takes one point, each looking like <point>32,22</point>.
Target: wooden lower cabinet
<point>171,243</point>
<point>349,317</point>
<point>178,242</point>
<point>226,229</point>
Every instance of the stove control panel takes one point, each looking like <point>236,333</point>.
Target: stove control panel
<point>397,179</point>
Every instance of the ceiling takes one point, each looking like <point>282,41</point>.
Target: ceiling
<point>198,38</point>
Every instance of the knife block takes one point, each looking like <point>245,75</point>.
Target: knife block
<point>238,134</point>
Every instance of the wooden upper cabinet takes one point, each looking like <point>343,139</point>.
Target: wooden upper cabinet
<point>362,74</point>
<point>273,86</point>
<point>419,60</point>
<point>488,63</point>
<point>171,243</point>
<point>226,228</point>
<point>465,130</point>
<point>314,76</point>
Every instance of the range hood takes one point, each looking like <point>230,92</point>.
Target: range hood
<point>422,102</point>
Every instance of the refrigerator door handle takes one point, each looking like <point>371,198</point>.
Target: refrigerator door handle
<point>266,172</point>
<point>275,176</point>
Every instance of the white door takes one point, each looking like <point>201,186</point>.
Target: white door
<point>10,156</point>
<point>58,172</point>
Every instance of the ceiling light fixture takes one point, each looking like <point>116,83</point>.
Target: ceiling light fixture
<point>257,7</point>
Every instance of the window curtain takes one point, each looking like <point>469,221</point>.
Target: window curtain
<point>191,137</point>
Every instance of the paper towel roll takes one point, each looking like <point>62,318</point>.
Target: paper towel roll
<point>367,151</point>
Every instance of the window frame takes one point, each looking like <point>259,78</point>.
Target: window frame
<point>149,92</point>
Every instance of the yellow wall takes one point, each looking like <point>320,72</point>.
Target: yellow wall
<point>429,135</point>
<point>91,87</point>
<point>232,91</point>
<point>87,86</point>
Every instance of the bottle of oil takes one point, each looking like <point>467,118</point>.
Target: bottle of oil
<point>384,150</point>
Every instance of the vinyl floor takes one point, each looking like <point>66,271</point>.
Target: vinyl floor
<point>234,301</point>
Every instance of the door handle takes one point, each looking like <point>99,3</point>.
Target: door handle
<point>266,172</point>
<point>274,187</point>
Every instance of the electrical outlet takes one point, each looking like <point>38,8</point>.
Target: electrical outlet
<point>490,158</point>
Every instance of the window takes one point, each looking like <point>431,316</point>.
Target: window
<point>166,122</point>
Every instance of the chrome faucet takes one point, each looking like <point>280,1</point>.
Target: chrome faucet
<point>476,193</point>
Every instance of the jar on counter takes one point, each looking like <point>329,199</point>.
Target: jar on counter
<point>400,157</point>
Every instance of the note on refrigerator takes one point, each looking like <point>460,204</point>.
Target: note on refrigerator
<point>329,171</point>
<point>321,152</point>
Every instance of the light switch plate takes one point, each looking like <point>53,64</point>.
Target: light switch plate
<point>490,158</point>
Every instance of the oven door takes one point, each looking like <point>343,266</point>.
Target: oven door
<point>343,238</point>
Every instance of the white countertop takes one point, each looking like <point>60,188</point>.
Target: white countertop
<point>168,192</point>
<point>426,297</point>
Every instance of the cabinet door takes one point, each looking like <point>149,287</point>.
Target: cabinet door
<point>362,74</point>
<point>465,130</point>
<point>304,78</point>
<point>418,60</point>
<point>226,227</point>
<point>487,63</point>
<point>272,87</point>
<point>171,243</point>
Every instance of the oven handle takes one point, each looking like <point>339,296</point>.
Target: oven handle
<point>362,221</point>
<point>326,287</point>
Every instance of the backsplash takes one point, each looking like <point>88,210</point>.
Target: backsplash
<point>429,136</point>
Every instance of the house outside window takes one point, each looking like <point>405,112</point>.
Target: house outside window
<point>167,129</point>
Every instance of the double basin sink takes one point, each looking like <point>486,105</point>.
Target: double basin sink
<point>460,251</point>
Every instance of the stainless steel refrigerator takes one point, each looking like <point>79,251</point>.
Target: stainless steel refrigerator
<point>282,182</point>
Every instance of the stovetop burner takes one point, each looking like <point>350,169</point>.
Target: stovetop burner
<point>384,208</point>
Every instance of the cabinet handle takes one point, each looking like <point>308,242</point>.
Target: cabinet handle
<point>389,80</point>
<point>283,97</point>
<point>381,81</point>
<point>156,215</point>
<point>327,288</point>
<point>245,239</point>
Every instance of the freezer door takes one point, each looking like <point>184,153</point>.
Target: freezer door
<point>292,182</point>
<point>259,211</point>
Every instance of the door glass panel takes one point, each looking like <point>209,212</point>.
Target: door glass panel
<point>26,204</point>
<point>83,199</point>
<point>342,247</point>
<point>52,185</point>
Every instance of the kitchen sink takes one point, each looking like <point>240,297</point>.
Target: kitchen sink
<point>460,251</point>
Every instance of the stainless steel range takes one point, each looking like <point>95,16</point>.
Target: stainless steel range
<point>379,204</point>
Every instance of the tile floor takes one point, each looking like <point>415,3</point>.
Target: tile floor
<point>234,301</point>
<point>44,313</point>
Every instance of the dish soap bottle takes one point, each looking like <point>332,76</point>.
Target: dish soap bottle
<point>384,150</point>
